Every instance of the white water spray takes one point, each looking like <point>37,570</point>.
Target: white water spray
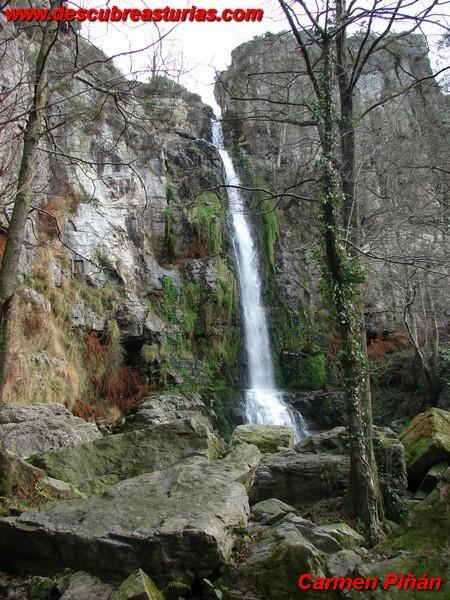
<point>264,403</point>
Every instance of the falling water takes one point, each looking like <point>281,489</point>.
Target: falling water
<point>264,403</point>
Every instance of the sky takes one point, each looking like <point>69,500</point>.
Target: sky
<point>195,49</point>
<point>192,52</point>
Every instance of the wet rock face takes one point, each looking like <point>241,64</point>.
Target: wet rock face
<point>178,523</point>
<point>27,430</point>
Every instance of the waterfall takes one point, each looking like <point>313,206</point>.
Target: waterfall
<point>263,402</point>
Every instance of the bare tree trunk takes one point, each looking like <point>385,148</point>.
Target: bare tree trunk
<point>427,358</point>
<point>9,270</point>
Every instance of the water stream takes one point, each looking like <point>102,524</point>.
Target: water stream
<point>263,402</point>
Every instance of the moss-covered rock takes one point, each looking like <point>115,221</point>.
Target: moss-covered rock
<point>270,566</point>
<point>138,586</point>
<point>344,534</point>
<point>16,475</point>
<point>301,479</point>
<point>389,452</point>
<point>178,524</point>
<point>93,467</point>
<point>436,474</point>
<point>271,510</point>
<point>268,438</point>
<point>427,442</point>
<point>162,407</point>
<point>41,588</point>
<point>419,546</point>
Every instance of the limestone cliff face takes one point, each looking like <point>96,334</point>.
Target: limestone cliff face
<point>402,147</point>
<point>126,258</point>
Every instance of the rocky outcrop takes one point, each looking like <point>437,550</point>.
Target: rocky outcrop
<point>27,430</point>
<point>22,485</point>
<point>427,443</point>
<point>135,288</point>
<point>179,523</point>
<point>270,511</point>
<point>419,546</point>
<point>268,438</point>
<point>283,545</point>
<point>162,408</point>
<point>94,466</point>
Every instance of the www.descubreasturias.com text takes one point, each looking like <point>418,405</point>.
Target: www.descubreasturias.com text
<point>116,14</point>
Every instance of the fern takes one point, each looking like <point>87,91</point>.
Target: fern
<point>176,589</point>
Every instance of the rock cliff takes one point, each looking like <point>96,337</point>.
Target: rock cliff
<point>126,269</point>
<point>402,146</point>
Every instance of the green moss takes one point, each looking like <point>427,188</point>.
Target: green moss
<point>241,160</point>
<point>169,300</point>
<point>41,588</point>
<point>170,193</point>
<point>206,218</point>
<point>269,231</point>
<point>138,585</point>
<point>150,353</point>
<point>191,302</point>
<point>170,234</point>
<point>424,537</point>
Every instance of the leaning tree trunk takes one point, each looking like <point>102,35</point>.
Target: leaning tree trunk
<point>9,270</point>
<point>341,272</point>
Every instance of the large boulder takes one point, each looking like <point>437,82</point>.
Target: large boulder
<point>94,466</point>
<point>268,438</point>
<point>27,430</point>
<point>300,478</point>
<point>318,467</point>
<point>163,408</point>
<point>427,443</point>
<point>178,524</point>
<point>389,451</point>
